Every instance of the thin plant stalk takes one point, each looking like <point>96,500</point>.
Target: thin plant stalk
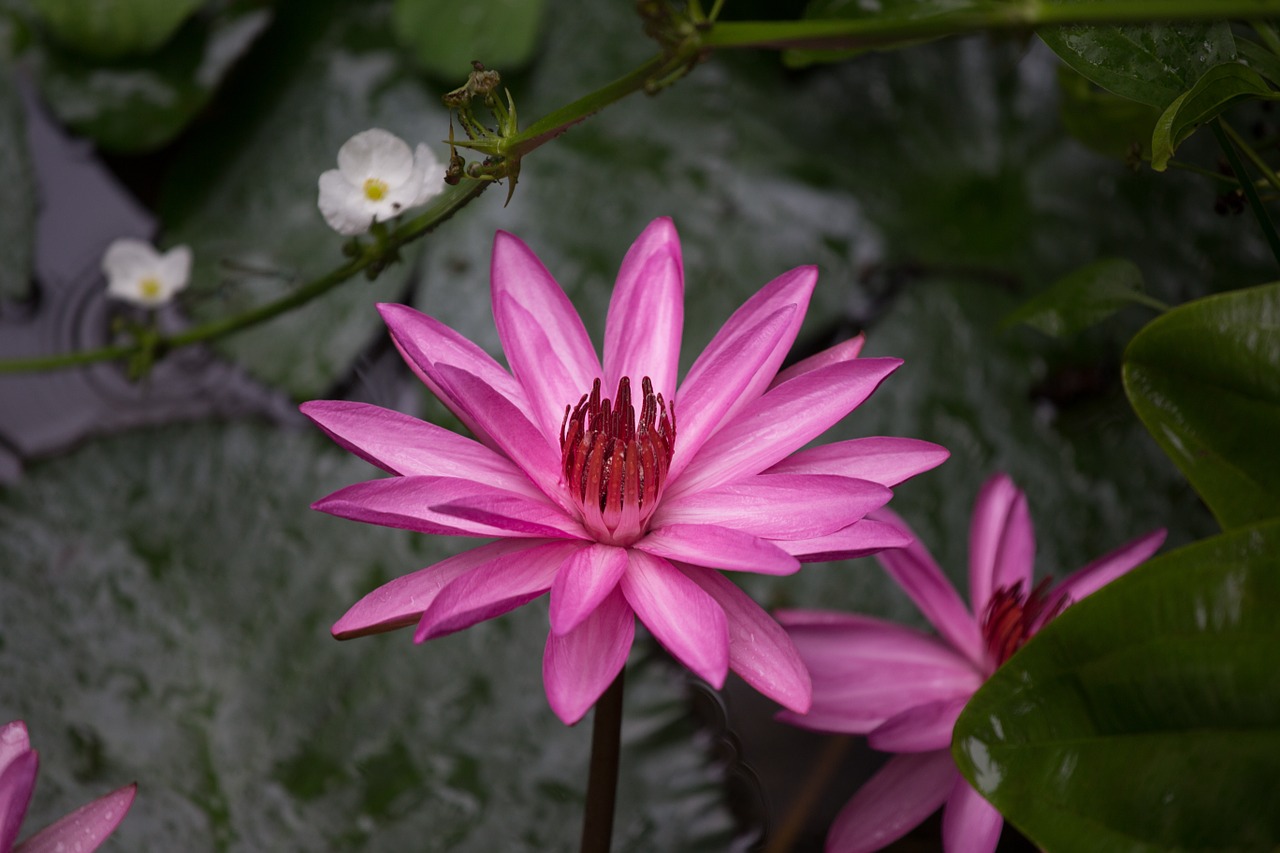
<point>602,778</point>
<point>1246,185</point>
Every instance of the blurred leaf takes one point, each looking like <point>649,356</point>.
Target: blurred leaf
<point>1219,88</point>
<point>1081,299</point>
<point>180,638</point>
<point>110,29</point>
<point>1105,122</point>
<point>141,103</point>
<point>887,12</point>
<point>1146,717</point>
<point>1259,59</point>
<point>17,214</point>
<point>1205,380</point>
<point>1149,63</point>
<point>445,36</point>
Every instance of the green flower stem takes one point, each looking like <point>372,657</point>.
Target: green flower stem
<point>885,30</point>
<point>602,778</point>
<point>1255,203</point>
<point>1254,158</point>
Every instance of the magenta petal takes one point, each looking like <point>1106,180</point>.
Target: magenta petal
<point>922,728</point>
<point>843,351</point>
<point>719,548</point>
<point>1110,566</point>
<point>493,588</point>
<point>449,506</point>
<point>969,823</point>
<point>646,313</point>
<point>759,649</point>
<point>786,418</point>
<point>587,577</point>
<point>920,577</point>
<point>542,335</point>
<point>1001,541</point>
<point>687,621</point>
<point>13,743</point>
<point>423,341</point>
<point>580,665</point>
<point>880,459</point>
<point>17,780</point>
<point>905,791</point>
<point>777,506</point>
<point>405,445</point>
<point>85,828</point>
<point>860,539</point>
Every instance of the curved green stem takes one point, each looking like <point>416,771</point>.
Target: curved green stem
<point>1255,203</point>
<point>602,777</point>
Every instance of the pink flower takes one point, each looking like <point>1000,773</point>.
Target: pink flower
<point>905,689</point>
<point>626,502</point>
<point>83,830</point>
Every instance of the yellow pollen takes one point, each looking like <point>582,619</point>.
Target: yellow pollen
<point>374,189</point>
<point>150,287</point>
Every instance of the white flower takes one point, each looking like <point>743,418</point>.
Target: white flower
<point>377,178</point>
<point>137,273</point>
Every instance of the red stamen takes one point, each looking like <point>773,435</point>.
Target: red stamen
<point>1012,618</point>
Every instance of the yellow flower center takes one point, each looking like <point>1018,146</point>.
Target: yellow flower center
<point>150,287</point>
<point>375,189</point>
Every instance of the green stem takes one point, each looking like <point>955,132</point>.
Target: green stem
<point>1253,155</point>
<point>1207,173</point>
<point>602,778</point>
<point>1255,203</point>
<point>1149,301</point>
<point>884,30</point>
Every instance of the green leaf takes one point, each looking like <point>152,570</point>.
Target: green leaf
<point>1081,299</point>
<point>1219,88</point>
<point>445,36</point>
<point>1205,380</point>
<point>1103,121</point>
<point>110,29</point>
<point>1259,59</point>
<point>1146,717</point>
<point>1149,63</point>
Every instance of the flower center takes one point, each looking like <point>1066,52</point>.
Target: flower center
<point>1012,617</point>
<point>374,189</point>
<point>150,287</point>
<point>614,463</point>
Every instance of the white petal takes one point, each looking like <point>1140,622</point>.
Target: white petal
<point>377,154</point>
<point>431,183</point>
<point>127,259</point>
<point>175,269</point>
<point>343,205</point>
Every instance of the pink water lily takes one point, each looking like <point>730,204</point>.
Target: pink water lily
<point>82,830</point>
<point>905,689</point>
<point>618,491</point>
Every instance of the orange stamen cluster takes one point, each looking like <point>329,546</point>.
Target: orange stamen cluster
<point>1012,617</point>
<point>614,463</point>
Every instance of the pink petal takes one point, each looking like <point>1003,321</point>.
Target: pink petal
<point>759,649</point>
<point>685,620</point>
<point>843,351</point>
<point>784,419</point>
<point>777,506</point>
<point>493,588</point>
<point>913,569</point>
<point>542,335</point>
<point>423,341</point>
<point>1001,541</point>
<point>720,381</point>
<point>405,445</point>
<point>587,577</point>
<point>85,828</point>
<point>880,459</point>
<point>577,667</point>
<point>16,783</point>
<point>905,791</point>
<point>1105,569</point>
<point>13,742</point>
<point>860,539</point>
<point>969,823</point>
<point>719,548</point>
<point>401,602</point>
<point>448,506</point>
<point>922,728</point>
<point>646,313</point>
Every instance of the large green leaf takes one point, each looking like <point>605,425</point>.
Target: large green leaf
<point>1149,63</point>
<point>109,29</point>
<point>164,613</point>
<point>1146,717</point>
<point>1220,87</point>
<point>446,36</point>
<point>1205,379</point>
<point>1082,298</point>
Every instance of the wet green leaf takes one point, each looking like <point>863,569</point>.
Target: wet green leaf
<point>1149,63</point>
<point>1146,717</point>
<point>1081,299</point>
<point>1105,122</point>
<point>445,37</point>
<point>1219,88</point>
<point>110,29</point>
<point>1204,380</point>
